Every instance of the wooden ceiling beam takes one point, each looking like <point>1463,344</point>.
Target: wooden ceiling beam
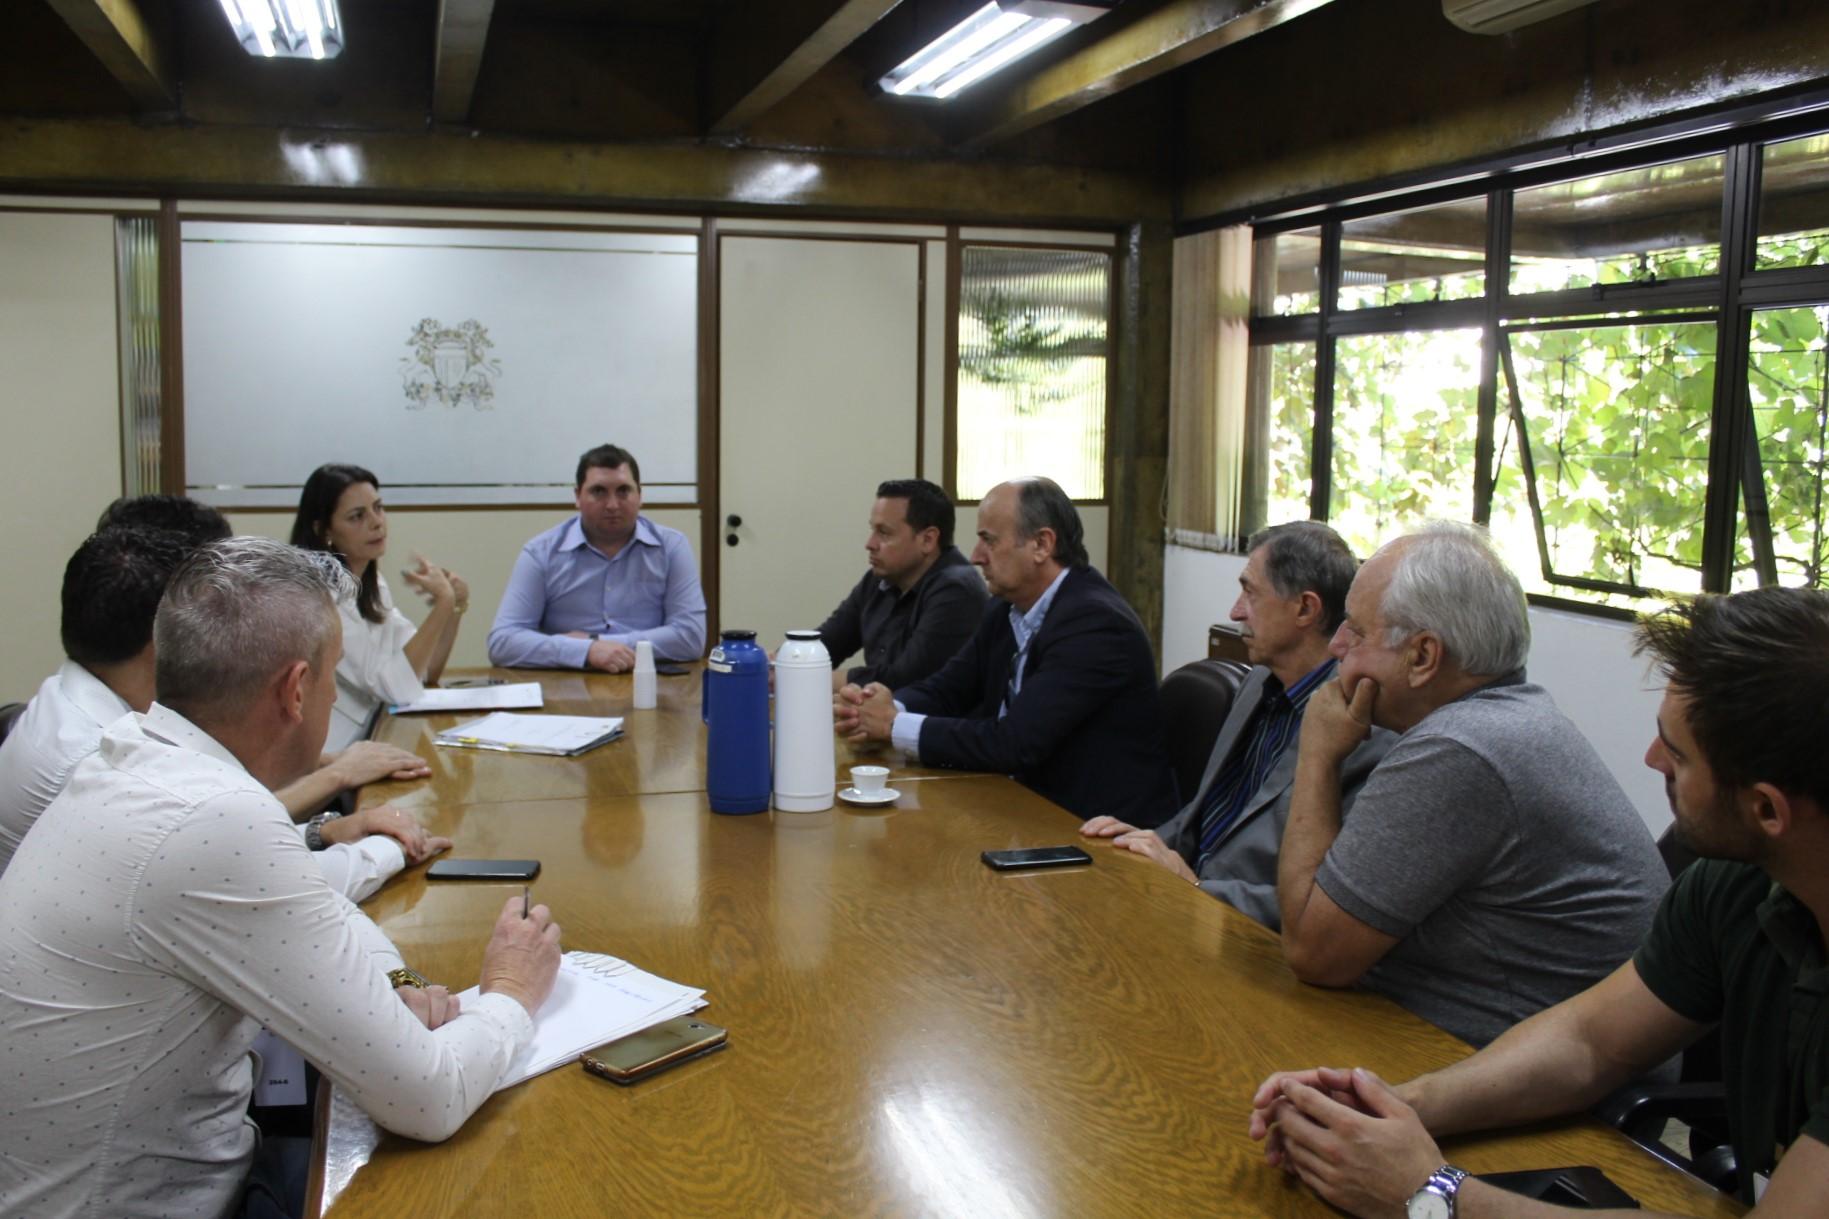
<point>116,32</point>
<point>453,168</point>
<point>1143,43</point>
<point>765,53</point>
<point>463,28</point>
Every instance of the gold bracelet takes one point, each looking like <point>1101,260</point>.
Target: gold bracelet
<point>406,976</point>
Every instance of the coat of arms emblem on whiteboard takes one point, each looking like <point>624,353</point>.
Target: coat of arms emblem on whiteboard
<point>449,365</point>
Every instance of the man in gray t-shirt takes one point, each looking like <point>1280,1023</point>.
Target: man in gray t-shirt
<point>1492,866</point>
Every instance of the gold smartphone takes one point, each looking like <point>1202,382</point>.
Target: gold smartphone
<point>667,1044</point>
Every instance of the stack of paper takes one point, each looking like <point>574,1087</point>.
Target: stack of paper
<point>563,735</point>
<point>595,999</point>
<point>476,698</point>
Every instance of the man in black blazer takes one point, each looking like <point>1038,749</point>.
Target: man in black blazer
<point>1058,685</point>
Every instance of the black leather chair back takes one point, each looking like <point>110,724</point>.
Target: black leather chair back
<point>9,713</point>
<point>1196,698</point>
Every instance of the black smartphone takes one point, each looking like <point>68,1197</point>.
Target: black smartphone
<point>652,1050</point>
<point>671,668</point>
<point>1582,1187</point>
<point>483,869</point>
<point>1036,857</point>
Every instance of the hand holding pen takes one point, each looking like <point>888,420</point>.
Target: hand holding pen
<point>522,958</point>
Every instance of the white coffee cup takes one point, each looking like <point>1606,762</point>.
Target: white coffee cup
<point>869,780</point>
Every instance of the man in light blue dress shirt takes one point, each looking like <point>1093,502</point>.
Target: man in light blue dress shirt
<point>585,592</point>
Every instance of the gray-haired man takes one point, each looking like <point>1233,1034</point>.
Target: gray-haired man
<point>163,909</point>
<point>1291,599</point>
<point>1491,866</point>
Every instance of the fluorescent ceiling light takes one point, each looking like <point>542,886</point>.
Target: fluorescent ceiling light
<point>991,38</point>
<point>300,29</point>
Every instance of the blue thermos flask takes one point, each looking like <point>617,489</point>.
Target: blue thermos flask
<point>735,708</point>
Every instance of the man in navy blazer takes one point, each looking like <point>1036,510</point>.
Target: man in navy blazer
<point>1058,685</point>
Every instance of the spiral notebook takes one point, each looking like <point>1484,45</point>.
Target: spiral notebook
<point>596,998</point>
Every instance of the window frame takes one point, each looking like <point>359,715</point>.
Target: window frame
<point>1729,298</point>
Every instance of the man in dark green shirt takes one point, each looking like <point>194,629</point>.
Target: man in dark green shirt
<point>1738,943</point>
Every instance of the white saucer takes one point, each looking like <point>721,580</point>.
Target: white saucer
<point>850,795</point>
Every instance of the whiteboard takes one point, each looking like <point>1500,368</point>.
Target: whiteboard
<point>463,366</point>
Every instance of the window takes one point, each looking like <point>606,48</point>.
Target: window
<point>1287,437</point>
<point>1614,418</point>
<point>1794,204</point>
<point>1581,406</point>
<point>1289,270</point>
<point>1032,367</point>
<point>1404,424</point>
<point>1637,226</point>
<point>1402,258</point>
<point>1788,389</point>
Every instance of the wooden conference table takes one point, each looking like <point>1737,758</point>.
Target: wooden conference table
<point>910,1032</point>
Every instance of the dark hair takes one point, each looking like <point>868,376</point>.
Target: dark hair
<point>929,507</point>
<point>311,527</point>
<point>178,513</point>
<point>608,457</point>
<point>1307,556</point>
<point>1755,667</point>
<point>111,591</point>
<point>1041,504</point>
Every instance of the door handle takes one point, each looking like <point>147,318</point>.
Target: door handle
<point>733,520</point>
<point>730,539</point>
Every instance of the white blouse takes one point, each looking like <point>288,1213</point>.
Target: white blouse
<point>374,668</point>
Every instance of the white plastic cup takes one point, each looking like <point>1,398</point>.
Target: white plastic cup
<point>647,691</point>
<point>869,780</point>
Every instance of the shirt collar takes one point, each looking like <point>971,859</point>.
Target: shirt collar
<point>1310,681</point>
<point>573,538</point>
<point>90,693</point>
<point>944,559</point>
<point>1792,929</point>
<point>1026,624</point>
<point>163,724</point>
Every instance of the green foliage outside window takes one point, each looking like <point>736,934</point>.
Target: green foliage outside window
<point>1788,386</point>
<point>1619,419</point>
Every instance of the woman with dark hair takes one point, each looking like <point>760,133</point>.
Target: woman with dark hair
<point>385,657</point>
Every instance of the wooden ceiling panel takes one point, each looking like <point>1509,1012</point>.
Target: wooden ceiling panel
<point>46,70</point>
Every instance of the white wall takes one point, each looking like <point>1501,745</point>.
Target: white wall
<point>60,464</point>
<point>478,544</point>
<point>1585,663</point>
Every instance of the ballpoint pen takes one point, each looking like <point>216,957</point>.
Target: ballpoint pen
<point>525,890</point>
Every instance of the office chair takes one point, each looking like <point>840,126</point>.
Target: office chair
<point>9,714</point>
<point>1196,698</point>
<point>1640,1111</point>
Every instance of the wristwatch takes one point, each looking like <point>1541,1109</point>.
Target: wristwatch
<point>407,976</point>
<point>1435,1200</point>
<point>314,830</point>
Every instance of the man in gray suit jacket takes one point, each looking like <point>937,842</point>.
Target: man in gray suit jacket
<point>1292,597</point>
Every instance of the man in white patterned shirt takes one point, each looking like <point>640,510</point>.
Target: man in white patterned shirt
<point>164,908</point>
<point>111,589</point>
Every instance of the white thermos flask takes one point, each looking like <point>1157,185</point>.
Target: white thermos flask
<point>806,758</point>
<point>646,695</point>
